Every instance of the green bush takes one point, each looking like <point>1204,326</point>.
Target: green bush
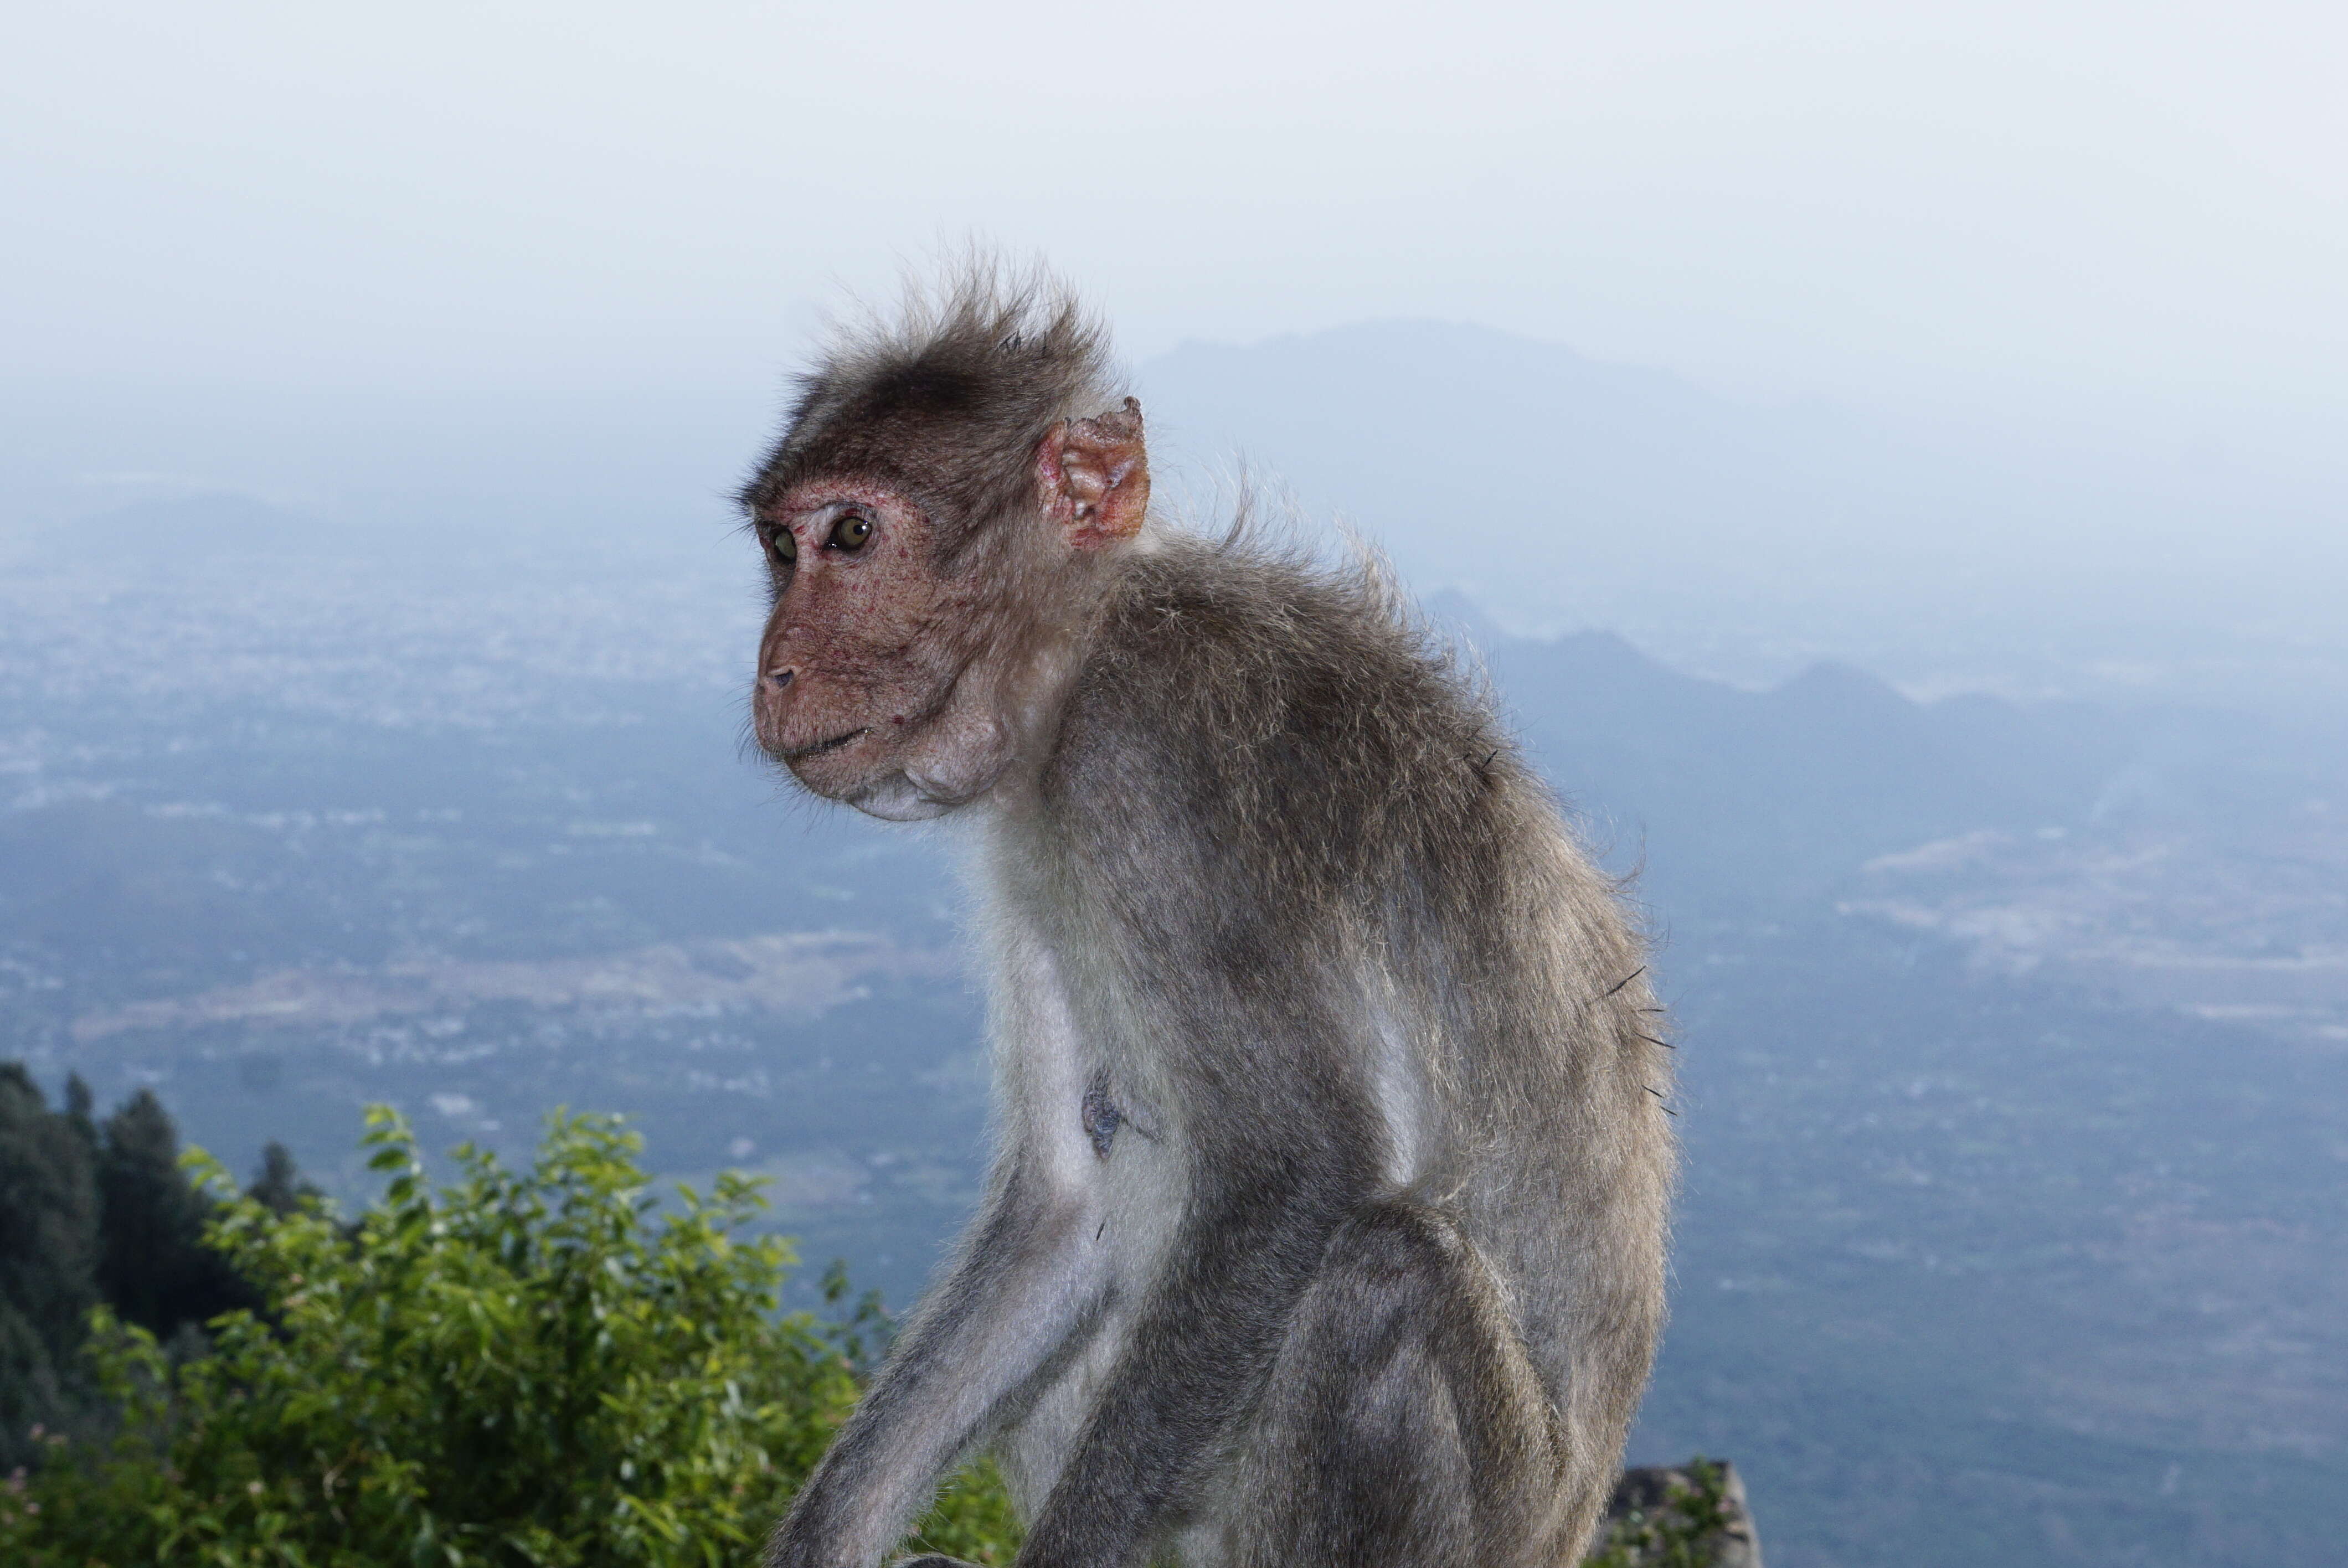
<point>546,1366</point>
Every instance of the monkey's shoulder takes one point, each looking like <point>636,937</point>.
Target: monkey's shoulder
<point>1289,712</point>
<point>1270,653</point>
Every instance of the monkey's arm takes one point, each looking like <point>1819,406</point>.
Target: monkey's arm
<point>1024,1283</point>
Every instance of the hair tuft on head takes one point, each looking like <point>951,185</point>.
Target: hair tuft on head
<point>946,396</point>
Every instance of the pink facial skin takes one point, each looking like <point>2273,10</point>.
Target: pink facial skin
<point>887,685</point>
<point>858,660</point>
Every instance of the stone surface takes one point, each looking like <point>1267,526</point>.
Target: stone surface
<point>1650,1515</point>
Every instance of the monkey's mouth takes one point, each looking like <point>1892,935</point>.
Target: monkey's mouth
<point>817,748</point>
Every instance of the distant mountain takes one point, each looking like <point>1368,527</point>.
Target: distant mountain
<point>1734,798</point>
<point>1564,492</point>
<point>1495,462</point>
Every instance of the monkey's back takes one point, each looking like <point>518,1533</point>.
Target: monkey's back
<point>1340,873</point>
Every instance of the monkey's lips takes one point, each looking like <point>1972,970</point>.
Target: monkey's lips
<point>835,766</point>
<point>794,755</point>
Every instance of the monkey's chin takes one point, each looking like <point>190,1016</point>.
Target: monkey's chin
<point>898,798</point>
<point>913,794</point>
<point>941,770</point>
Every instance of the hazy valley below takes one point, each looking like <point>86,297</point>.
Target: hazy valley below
<point>2014,1039</point>
<point>2009,980</point>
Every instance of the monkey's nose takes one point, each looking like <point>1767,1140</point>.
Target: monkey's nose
<point>778,679</point>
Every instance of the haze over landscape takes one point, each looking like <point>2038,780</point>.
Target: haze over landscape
<point>1890,467</point>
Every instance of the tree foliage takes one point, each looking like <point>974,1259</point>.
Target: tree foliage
<point>153,1267</point>
<point>542,1366</point>
<point>48,1256</point>
<point>96,1213</point>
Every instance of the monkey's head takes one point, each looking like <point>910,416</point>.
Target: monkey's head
<point>936,519</point>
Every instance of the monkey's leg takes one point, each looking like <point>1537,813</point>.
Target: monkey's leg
<point>1404,1423</point>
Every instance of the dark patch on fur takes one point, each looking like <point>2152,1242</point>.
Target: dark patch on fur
<point>1101,1115</point>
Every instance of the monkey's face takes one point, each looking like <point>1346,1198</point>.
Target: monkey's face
<point>903,686</point>
<point>861,691</point>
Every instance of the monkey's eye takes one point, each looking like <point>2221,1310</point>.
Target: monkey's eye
<point>850,532</point>
<point>780,544</point>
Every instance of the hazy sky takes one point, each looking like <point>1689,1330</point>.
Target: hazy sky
<point>2113,213</point>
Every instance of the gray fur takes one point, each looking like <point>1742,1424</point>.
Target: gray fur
<point>1378,1277</point>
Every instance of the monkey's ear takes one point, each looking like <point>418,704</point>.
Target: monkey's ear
<point>1093,475</point>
